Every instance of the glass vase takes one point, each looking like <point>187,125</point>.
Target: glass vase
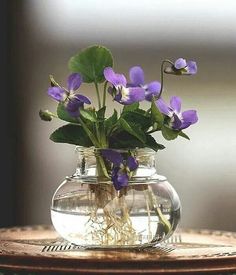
<point>88,211</point>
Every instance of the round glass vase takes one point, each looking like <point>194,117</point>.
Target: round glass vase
<point>88,211</point>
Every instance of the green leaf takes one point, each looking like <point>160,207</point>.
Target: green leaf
<point>140,119</point>
<point>64,115</point>
<point>131,107</point>
<point>45,115</point>
<point>111,121</point>
<point>169,133</point>
<point>133,129</point>
<point>182,134</point>
<point>142,112</point>
<point>101,113</point>
<point>156,127</point>
<point>124,140</point>
<point>88,114</point>
<point>72,134</point>
<point>91,62</point>
<point>151,143</point>
<point>157,116</point>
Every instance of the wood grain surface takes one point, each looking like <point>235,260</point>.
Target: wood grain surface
<point>39,249</point>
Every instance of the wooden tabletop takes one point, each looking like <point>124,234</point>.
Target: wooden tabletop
<point>39,249</point>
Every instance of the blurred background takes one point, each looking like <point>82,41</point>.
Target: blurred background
<point>38,38</point>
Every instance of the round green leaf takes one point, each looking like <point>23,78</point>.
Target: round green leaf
<point>91,62</point>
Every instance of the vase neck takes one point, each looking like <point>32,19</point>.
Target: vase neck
<point>94,162</point>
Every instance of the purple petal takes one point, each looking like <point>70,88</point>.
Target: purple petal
<point>131,95</point>
<point>175,103</point>
<point>177,123</point>
<point>163,107</point>
<point>185,125</point>
<point>57,93</point>
<point>192,67</point>
<point>154,86</point>
<point>132,163</point>
<point>190,116</point>
<point>119,178</point>
<point>122,179</point>
<point>82,98</point>
<point>73,107</point>
<point>153,89</point>
<point>128,85</point>
<point>136,76</point>
<point>113,78</point>
<point>117,97</point>
<point>112,156</point>
<point>180,63</point>
<point>74,81</point>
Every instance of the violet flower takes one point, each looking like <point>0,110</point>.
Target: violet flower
<point>177,120</point>
<point>121,168</point>
<point>72,101</point>
<point>181,66</point>
<point>121,92</point>
<point>136,75</point>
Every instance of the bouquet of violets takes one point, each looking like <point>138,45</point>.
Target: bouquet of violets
<point>112,217</point>
<point>133,126</point>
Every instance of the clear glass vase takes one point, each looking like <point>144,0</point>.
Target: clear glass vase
<point>88,211</point>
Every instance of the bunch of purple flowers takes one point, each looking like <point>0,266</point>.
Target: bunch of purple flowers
<point>121,168</point>
<point>134,127</point>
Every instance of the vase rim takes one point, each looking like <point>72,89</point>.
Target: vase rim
<point>91,149</point>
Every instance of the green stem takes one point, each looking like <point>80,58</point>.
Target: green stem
<point>103,167</point>
<point>164,221</point>
<point>162,80</point>
<point>104,138</point>
<point>104,94</point>
<point>89,133</point>
<point>96,144</point>
<point>97,131</point>
<point>162,75</point>
<point>98,95</point>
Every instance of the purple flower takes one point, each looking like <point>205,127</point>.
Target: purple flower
<point>136,75</point>
<point>121,168</point>
<point>119,178</point>
<point>177,120</point>
<point>73,102</point>
<point>112,156</point>
<point>132,163</point>
<point>181,66</point>
<point>121,92</point>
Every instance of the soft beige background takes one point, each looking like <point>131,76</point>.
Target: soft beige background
<point>141,32</point>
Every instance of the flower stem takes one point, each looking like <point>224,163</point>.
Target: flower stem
<point>166,224</point>
<point>89,133</point>
<point>162,75</point>
<point>98,95</point>
<point>104,94</point>
<point>97,131</point>
<point>162,80</point>
<point>103,167</point>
